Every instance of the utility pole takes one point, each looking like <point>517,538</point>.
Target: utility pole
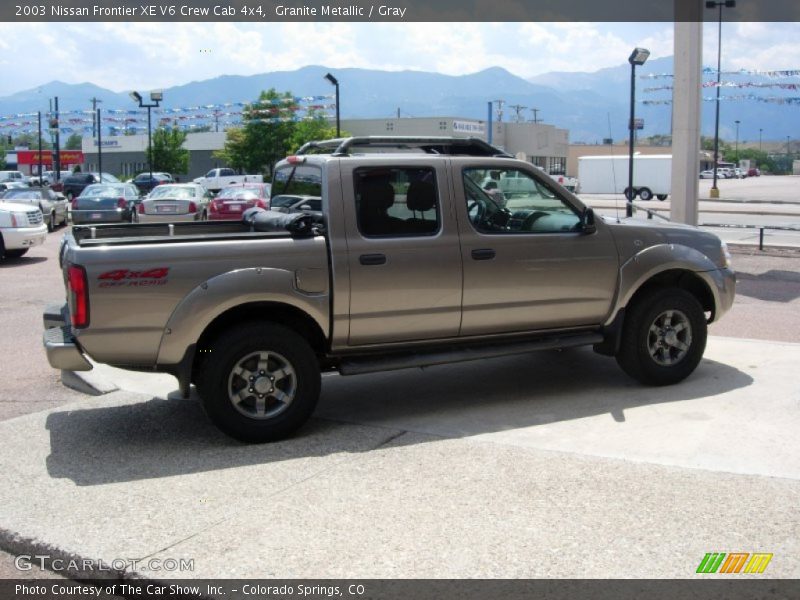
<point>535,112</point>
<point>39,120</point>
<point>57,155</point>
<point>99,148</point>
<point>518,108</point>
<point>499,109</point>
<point>95,102</point>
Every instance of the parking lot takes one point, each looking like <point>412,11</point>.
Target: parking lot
<point>546,465</point>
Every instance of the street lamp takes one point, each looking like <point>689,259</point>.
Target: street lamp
<point>637,57</point>
<point>155,99</point>
<point>335,82</point>
<point>712,4</point>
<point>760,130</point>
<point>737,141</point>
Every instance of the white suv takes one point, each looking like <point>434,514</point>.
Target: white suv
<point>21,228</point>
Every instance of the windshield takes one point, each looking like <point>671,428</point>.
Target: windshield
<point>238,194</point>
<point>172,191</point>
<point>284,201</point>
<point>23,194</point>
<point>108,178</point>
<point>100,189</point>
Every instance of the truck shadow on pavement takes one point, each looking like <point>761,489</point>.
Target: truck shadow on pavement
<point>10,263</point>
<point>168,437</point>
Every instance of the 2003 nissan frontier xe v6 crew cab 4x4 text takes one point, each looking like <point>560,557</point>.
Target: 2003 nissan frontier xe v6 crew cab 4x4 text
<point>412,263</point>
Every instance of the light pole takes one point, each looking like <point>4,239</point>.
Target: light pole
<point>637,57</point>
<point>737,141</point>
<point>712,4</point>
<point>155,99</point>
<point>335,82</point>
<point>760,131</point>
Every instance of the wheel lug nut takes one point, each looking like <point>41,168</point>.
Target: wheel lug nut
<point>252,390</point>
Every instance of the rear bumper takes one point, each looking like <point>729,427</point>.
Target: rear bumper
<point>85,217</point>
<point>16,238</point>
<point>62,350</point>
<point>168,218</point>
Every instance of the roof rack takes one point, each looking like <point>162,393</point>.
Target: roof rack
<point>429,144</point>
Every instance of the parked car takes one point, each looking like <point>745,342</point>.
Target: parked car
<point>145,184</point>
<point>231,202</point>
<point>21,228</point>
<point>12,185</point>
<point>753,172</point>
<point>295,204</point>
<point>709,174</point>
<point>16,176</point>
<point>217,179</point>
<point>49,177</point>
<point>417,266</point>
<point>52,205</point>
<point>105,203</point>
<point>73,185</point>
<point>173,202</point>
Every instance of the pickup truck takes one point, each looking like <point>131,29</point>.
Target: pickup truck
<point>216,179</point>
<point>412,264</point>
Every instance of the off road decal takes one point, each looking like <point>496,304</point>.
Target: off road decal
<point>126,277</point>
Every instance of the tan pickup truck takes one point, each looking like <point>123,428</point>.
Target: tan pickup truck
<point>413,263</point>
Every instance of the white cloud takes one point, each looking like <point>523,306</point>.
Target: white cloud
<point>123,56</point>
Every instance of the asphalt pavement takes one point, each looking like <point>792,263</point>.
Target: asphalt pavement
<point>548,465</point>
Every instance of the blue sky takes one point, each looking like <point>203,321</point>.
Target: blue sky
<point>124,56</point>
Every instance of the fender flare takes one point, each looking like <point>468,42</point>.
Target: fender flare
<point>219,294</point>
<point>643,266</point>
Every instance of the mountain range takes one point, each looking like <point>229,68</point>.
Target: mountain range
<point>592,106</point>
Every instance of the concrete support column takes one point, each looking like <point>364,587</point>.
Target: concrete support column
<point>686,121</point>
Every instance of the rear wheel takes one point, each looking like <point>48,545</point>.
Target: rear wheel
<point>663,338</point>
<point>51,222</point>
<point>259,382</point>
<point>629,195</point>
<point>661,197</point>
<point>645,194</point>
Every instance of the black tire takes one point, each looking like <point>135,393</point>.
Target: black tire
<point>661,197</point>
<point>639,343</point>
<point>234,353</point>
<point>645,194</point>
<point>51,222</point>
<point>628,195</point>
<point>16,253</point>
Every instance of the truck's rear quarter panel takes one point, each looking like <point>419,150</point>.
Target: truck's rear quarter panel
<point>135,288</point>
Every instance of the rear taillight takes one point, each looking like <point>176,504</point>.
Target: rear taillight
<point>213,206</point>
<point>140,208</point>
<point>192,207</point>
<point>261,204</point>
<point>78,296</point>
<point>122,203</point>
<point>74,204</point>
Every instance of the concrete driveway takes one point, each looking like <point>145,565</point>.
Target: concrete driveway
<point>548,465</point>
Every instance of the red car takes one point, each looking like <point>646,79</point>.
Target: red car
<point>233,200</point>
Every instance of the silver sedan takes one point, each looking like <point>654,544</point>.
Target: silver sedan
<point>173,202</point>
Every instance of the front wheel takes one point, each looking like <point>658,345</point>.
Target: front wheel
<point>259,382</point>
<point>663,338</point>
<point>645,194</point>
<point>16,253</point>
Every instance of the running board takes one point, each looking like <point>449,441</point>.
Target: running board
<point>392,362</point>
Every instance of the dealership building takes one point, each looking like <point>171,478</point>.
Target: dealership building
<point>543,145</point>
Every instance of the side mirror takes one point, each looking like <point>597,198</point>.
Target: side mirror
<point>305,207</point>
<point>587,220</point>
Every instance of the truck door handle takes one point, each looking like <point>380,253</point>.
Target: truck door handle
<point>483,254</point>
<point>372,259</point>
